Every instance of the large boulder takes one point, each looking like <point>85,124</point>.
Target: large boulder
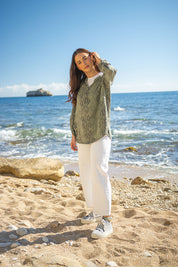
<point>39,92</point>
<point>37,168</point>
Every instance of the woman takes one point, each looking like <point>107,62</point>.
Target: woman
<point>90,81</point>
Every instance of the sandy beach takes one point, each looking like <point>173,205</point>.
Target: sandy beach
<point>40,221</point>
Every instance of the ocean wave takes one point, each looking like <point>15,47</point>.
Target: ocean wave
<point>8,135</point>
<point>144,132</point>
<point>31,134</point>
<point>14,125</point>
<point>119,109</point>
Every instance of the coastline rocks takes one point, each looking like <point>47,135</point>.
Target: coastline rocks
<point>71,173</point>
<point>37,168</point>
<point>39,92</point>
<point>130,149</point>
<point>138,181</point>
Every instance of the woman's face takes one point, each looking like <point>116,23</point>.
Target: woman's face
<point>84,62</point>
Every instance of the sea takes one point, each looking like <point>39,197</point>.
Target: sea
<point>39,127</point>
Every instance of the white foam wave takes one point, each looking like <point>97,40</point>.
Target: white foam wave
<point>127,132</point>
<point>119,109</point>
<point>56,130</point>
<point>8,135</point>
<point>145,132</point>
<point>20,124</point>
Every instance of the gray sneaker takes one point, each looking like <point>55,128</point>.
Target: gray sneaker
<point>90,218</point>
<point>103,229</point>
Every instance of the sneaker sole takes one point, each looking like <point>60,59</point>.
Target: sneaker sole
<point>95,236</point>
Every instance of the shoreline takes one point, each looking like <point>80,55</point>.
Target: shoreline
<point>126,172</point>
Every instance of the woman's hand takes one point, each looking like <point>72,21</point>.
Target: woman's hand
<point>96,58</point>
<point>73,143</point>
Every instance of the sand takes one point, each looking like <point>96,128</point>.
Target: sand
<point>144,221</point>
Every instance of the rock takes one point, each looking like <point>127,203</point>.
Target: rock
<point>71,173</point>
<point>90,264</point>
<point>158,180</point>
<point>22,231</point>
<point>14,245</point>
<point>80,197</point>
<point>13,237</point>
<point>4,245</point>
<point>37,190</point>
<point>138,181</point>
<point>111,263</point>
<point>130,149</point>
<point>45,239</point>
<point>37,168</point>
<point>39,92</point>
<point>53,224</point>
<point>12,227</point>
<point>147,254</point>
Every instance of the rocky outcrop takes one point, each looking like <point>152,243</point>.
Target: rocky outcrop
<point>37,168</point>
<point>39,92</point>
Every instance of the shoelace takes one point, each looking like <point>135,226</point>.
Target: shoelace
<point>90,215</point>
<point>100,226</point>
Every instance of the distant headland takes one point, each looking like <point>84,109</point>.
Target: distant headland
<point>38,92</point>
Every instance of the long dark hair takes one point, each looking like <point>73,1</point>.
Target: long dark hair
<point>76,77</point>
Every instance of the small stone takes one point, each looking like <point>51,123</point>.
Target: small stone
<point>111,263</point>
<point>22,231</point>
<point>53,224</point>
<point>14,259</point>
<point>4,245</point>
<point>71,243</point>
<point>167,189</point>
<point>43,181</point>
<point>37,246</point>
<point>51,243</point>
<point>147,254</point>
<point>90,264</point>
<point>80,197</point>
<point>12,227</point>
<point>71,173</point>
<point>12,236</point>
<point>45,239</point>
<point>14,245</point>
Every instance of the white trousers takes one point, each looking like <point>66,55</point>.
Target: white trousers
<point>93,165</point>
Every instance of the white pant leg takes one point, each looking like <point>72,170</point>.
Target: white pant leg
<point>85,172</point>
<point>101,186</point>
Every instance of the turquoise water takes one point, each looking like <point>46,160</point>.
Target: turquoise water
<point>37,127</point>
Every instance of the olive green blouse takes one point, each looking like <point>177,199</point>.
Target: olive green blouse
<point>90,118</point>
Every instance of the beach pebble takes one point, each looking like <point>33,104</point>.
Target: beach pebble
<point>37,190</point>
<point>12,227</point>
<point>71,173</point>
<point>53,224</point>
<point>147,254</point>
<point>22,231</point>
<point>111,263</point>
<point>12,236</point>
<point>37,246</point>
<point>43,181</point>
<point>14,245</point>
<point>90,264</point>
<point>45,239</point>
<point>4,245</point>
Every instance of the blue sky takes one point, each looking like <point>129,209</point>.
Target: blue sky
<point>38,37</point>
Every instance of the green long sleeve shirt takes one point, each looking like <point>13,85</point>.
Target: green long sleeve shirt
<point>90,117</point>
